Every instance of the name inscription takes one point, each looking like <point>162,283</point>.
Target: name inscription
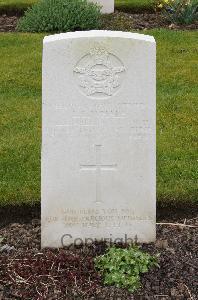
<point>102,119</point>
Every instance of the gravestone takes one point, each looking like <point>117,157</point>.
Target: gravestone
<point>98,137</point>
<point>107,5</point>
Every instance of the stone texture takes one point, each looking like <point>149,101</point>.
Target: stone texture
<point>107,5</point>
<point>98,137</point>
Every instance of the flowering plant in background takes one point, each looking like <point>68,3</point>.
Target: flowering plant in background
<point>159,4</point>
<point>179,11</point>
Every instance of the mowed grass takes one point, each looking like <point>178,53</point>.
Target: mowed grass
<point>177,111</point>
<point>20,105</point>
<point>130,5</point>
<point>134,5</point>
<point>15,5</point>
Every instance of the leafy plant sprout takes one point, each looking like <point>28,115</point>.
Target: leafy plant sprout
<point>123,267</point>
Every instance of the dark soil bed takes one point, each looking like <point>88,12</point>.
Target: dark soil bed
<point>27,272</point>
<point>8,23</point>
<point>117,21</point>
<point>141,21</point>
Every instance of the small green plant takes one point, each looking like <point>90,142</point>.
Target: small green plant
<point>179,11</point>
<point>122,267</point>
<point>60,15</point>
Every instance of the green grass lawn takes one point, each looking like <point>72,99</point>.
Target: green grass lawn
<point>20,106</point>
<point>21,5</point>
<point>134,5</point>
<point>15,5</point>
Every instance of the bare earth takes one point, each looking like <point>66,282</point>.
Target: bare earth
<point>27,272</point>
<point>116,21</point>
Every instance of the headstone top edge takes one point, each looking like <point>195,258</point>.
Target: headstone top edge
<point>98,33</point>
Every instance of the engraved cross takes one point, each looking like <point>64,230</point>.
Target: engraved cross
<point>98,167</point>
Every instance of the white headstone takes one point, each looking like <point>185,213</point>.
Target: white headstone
<point>98,141</point>
<point>107,5</point>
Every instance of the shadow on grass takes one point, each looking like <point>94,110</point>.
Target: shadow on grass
<point>26,213</point>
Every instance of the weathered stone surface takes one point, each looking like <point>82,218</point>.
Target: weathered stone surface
<point>107,5</point>
<point>98,144</point>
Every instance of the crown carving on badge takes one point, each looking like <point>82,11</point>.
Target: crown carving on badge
<point>100,55</point>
